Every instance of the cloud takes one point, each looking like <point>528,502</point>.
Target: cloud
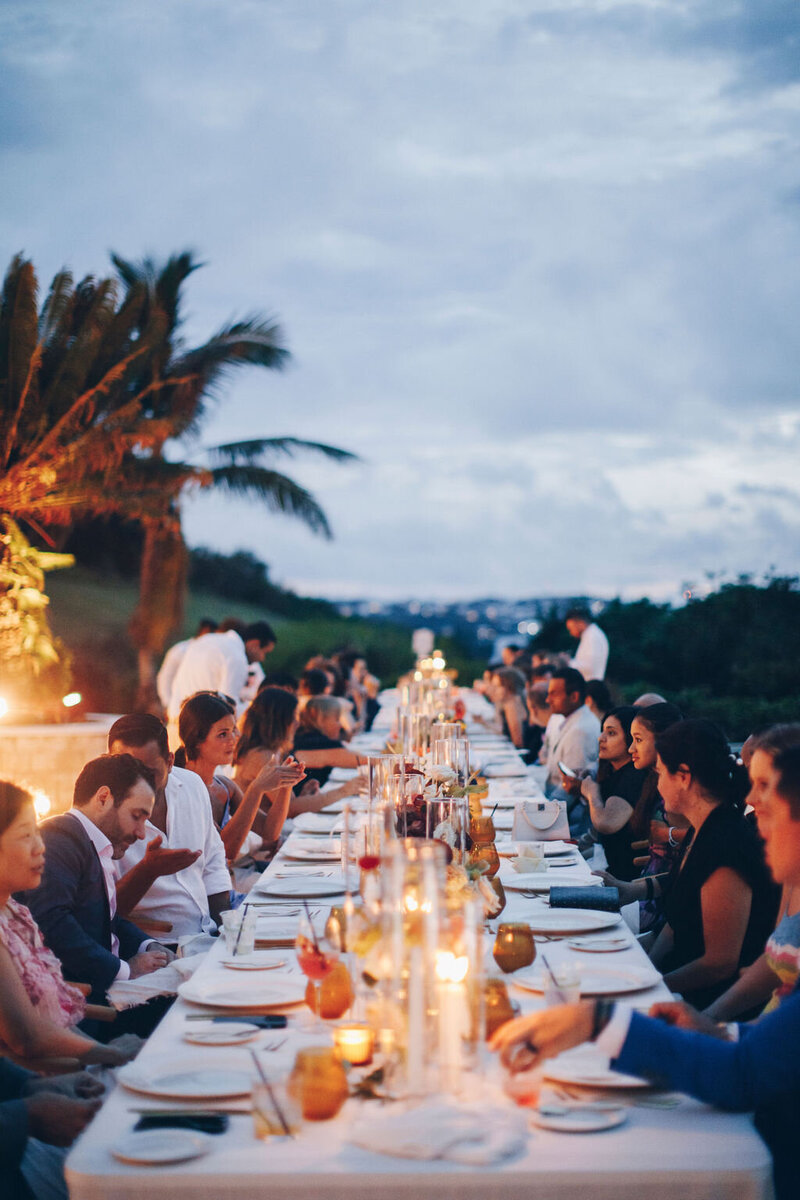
<point>535,261</point>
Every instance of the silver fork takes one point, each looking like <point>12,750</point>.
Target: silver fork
<point>274,1045</point>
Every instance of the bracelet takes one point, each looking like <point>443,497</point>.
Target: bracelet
<point>603,1010</point>
<point>673,841</point>
<point>649,887</point>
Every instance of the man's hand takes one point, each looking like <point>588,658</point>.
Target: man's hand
<point>79,1085</point>
<point>163,861</point>
<point>147,961</point>
<point>683,1016</point>
<point>58,1119</point>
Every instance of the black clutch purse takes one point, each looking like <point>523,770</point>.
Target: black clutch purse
<point>604,898</point>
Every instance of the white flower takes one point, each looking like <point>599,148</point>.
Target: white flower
<point>444,832</point>
<point>441,773</point>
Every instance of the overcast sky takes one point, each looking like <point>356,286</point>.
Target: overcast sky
<point>536,261</point>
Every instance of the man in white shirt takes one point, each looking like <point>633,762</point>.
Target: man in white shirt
<point>178,873</point>
<point>574,744</point>
<point>220,662</point>
<point>174,657</point>
<point>591,657</point>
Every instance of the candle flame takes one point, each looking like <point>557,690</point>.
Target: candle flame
<point>71,699</point>
<point>3,706</point>
<point>451,968</point>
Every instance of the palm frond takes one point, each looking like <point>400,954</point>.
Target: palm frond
<point>279,493</point>
<point>253,448</point>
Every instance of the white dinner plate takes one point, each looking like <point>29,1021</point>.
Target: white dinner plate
<point>156,1147</point>
<point>579,1120</point>
<point>542,881</point>
<point>309,822</point>
<point>249,992</point>
<point>595,980</point>
<point>585,1066</point>
<point>601,945</point>
<point>570,920</point>
<point>303,886</point>
<point>179,1081</point>
<point>333,854</point>
<point>232,1033</point>
<point>504,770</point>
<point>253,962</point>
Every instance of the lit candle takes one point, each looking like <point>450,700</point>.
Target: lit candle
<point>416,1023</point>
<point>451,970</point>
<point>354,1043</point>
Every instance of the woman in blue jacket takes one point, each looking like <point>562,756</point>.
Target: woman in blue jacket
<point>742,1067</point>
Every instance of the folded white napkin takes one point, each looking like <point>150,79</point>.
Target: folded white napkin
<point>127,993</point>
<point>439,1128</point>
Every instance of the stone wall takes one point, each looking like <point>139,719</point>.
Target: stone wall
<point>50,757</point>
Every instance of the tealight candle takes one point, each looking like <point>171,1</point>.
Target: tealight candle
<point>354,1043</point>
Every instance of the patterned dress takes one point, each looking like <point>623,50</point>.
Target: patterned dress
<point>38,967</point>
<point>783,958</point>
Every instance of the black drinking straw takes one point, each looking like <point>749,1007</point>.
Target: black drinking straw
<point>241,927</point>
<point>494,810</point>
<point>549,969</point>
<point>272,1096</point>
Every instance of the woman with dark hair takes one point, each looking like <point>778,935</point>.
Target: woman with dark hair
<point>207,727</point>
<point>613,796</point>
<point>38,1010</point>
<point>748,1067</point>
<point>719,904</point>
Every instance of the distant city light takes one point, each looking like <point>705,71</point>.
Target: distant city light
<point>533,628</point>
<point>70,700</point>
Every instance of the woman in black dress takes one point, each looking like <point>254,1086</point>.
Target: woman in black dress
<point>719,901</point>
<point>613,796</point>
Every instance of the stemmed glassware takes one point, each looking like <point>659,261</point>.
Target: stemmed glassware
<point>317,955</point>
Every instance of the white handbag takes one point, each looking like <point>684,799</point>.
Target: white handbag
<point>540,821</point>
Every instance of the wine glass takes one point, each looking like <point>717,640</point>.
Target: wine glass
<point>317,955</point>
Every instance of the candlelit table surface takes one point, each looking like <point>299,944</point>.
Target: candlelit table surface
<point>687,1149</point>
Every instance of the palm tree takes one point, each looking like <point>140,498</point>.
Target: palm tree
<point>73,434</point>
<point>180,384</point>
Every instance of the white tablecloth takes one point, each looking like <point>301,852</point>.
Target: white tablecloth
<point>690,1151</point>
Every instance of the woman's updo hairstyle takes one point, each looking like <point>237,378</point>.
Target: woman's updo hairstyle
<point>658,717</point>
<point>511,679</point>
<point>199,714</point>
<point>319,706</point>
<point>701,747</point>
<point>12,801</point>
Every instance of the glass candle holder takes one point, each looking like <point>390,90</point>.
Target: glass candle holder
<point>514,946</point>
<point>485,852</point>
<point>497,1005</point>
<point>354,1043</point>
<point>318,1084</point>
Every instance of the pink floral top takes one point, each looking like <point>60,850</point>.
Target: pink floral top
<point>40,971</point>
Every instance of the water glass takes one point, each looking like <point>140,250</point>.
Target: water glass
<point>562,983</point>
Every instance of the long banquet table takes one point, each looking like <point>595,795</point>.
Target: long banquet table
<point>686,1149</point>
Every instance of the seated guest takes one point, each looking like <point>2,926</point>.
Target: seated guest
<point>774,974</point>
<point>38,1009</point>
<point>209,735</point>
<point>538,717</point>
<point>598,698</point>
<point>195,889</point>
<point>614,795</point>
<point>508,697</point>
<point>36,1115</point>
<point>754,1066</point>
<point>268,730</point>
<point>658,833</point>
<point>719,903</point>
<point>575,743</point>
<point>75,905</point>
